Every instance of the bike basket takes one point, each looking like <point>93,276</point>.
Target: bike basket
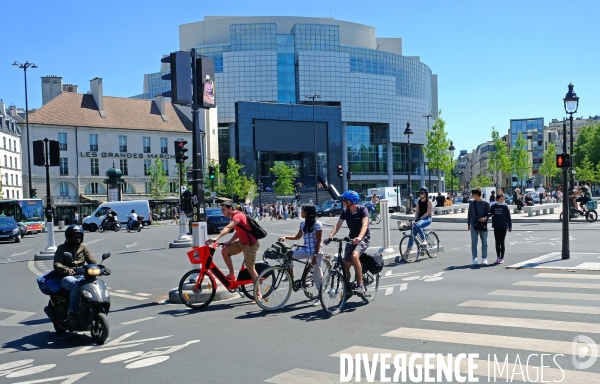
<point>197,254</point>
<point>404,225</point>
<point>592,204</point>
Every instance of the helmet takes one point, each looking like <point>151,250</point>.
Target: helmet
<point>133,211</point>
<point>71,230</point>
<point>350,196</point>
<point>424,190</point>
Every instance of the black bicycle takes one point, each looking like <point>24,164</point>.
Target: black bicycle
<point>275,284</point>
<point>588,211</point>
<point>432,248</point>
<point>336,289</point>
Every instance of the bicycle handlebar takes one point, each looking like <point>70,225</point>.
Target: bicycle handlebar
<point>338,240</point>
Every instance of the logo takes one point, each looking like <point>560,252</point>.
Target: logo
<point>209,92</point>
<point>584,347</point>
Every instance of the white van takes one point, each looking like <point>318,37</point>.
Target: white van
<point>123,209</point>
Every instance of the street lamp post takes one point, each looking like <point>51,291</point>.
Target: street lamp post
<point>571,103</point>
<point>24,67</point>
<point>451,149</point>
<point>313,97</point>
<point>409,196</point>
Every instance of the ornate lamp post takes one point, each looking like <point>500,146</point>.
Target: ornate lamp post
<point>571,104</point>
<point>451,149</point>
<point>409,196</point>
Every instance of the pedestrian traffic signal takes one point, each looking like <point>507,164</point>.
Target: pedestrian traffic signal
<point>211,172</point>
<point>180,77</point>
<point>340,171</point>
<point>186,201</point>
<point>563,160</point>
<point>32,193</point>
<point>180,151</point>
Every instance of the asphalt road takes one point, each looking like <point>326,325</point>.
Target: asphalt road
<point>441,305</point>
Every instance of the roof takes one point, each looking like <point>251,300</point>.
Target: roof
<point>76,109</point>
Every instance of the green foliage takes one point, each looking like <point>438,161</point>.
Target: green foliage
<point>159,184</point>
<point>587,145</point>
<point>284,185</point>
<point>481,181</point>
<point>436,149</point>
<point>519,159</point>
<point>587,171</point>
<point>453,179</point>
<point>248,188</point>
<point>181,168</point>
<point>549,168</point>
<point>499,157</point>
<point>233,179</point>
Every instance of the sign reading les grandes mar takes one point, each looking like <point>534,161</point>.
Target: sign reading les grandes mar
<point>127,155</point>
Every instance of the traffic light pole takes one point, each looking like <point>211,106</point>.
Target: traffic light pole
<point>51,246</point>
<point>566,215</point>
<point>198,205</point>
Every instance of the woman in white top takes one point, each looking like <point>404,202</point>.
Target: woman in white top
<point>311,230</point>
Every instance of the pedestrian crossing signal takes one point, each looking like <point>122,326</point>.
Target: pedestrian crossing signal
<point>563,160</point>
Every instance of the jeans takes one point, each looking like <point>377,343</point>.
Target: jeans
<point>418,228</point>
<point>483,235</point>
<point>71,283</point>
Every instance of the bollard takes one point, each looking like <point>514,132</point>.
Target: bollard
<point>385,226</point>
<point>183,228</point>
<point>199,234</point>
<point>51,246</point>
<point>61,225</point>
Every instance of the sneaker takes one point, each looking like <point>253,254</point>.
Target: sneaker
<point>71,320</point>
<point>316,302</point>
<point>360,289</point>
<point>497,261</point>
<point>500,261</point>
<point>484,261</point>
<point>475,262</point>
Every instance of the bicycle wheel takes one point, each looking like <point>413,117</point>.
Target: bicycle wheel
<point>433,244</point>
<point>248,289</point>
<point>200,298</point>
<point>378,218</point>
<point>275,287</point>
<point>333,293</point>
<point>591,216</point>
<point>371,283</point>
<point>311,291</point>
<point>413,255</point>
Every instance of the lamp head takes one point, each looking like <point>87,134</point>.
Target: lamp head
<point>15,64</point>
<point>408,131</point>
<point>571,101</point>
<point>451,148</point>
<point>33,65</point>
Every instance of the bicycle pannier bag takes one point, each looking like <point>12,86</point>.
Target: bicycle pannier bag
<point>255,230</point>
<point>372,262</point>
<point>276,251</point>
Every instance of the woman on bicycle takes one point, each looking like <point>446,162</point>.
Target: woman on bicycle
<point>374,202</point>
<point>422,217</point>
<point>311,230</point>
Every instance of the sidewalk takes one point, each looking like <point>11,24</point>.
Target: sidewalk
<point>554,261</point>
<point>462,217</point>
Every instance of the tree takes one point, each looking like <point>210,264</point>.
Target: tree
<point>453,179</point>
<point>587,170</point>
<point>248,188</point>
<point>481,181</point>
<point>233,179</point>
<point>549,168</point>
<point>499,157</point>
<point>284,185</point>
<point>182,168</point>
<point>519,159</point>
<point>159,184</point>
<point>436,149</point>
<point>587,144</point>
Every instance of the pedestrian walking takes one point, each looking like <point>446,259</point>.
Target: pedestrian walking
<point>479,211</point>
<point>493,197</point>
<point>76,217</point>
<point>501,222</point>
<point>541,193</point>
<point>175,216</point>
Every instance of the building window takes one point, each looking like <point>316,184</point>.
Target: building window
<point>62,141</point>
<point>367,151</point>
<point>94,189</point>
<point>122,143</point>
<point>17,181</point>
<point>147,166</point>
<point>18,195</point>
<point>93,142</point>
<point>12,180</point>
<point>11,161</point>
<point>64,165</point>
<point>64,188</point>
<point>163,145</point>
<point>174,187</point>
<point>147,186</point>
<point>94,167</point>
<point>16,150</point>
<point>128,188</point>
<point>4,140</point>
<point>16,166</point>
<point>146,145</point>
<point>13,193</point>
<point>165,164</point>
<point>5,161</point>
<point>123,165</point>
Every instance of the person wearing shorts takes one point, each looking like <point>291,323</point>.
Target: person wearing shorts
<point>241,242</point>
<point>357,220</point>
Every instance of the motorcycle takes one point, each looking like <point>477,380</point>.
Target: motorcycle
<point>110,223</point>
<point>136,225</point>
<point>94,301</point>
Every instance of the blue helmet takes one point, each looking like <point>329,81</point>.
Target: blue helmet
<point>350,196</point>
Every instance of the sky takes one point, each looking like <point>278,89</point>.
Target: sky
<point>495,60</point>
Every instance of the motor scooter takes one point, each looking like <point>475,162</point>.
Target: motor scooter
<point>136,225</point>
<point>110,223</point>
<point>94,300</point>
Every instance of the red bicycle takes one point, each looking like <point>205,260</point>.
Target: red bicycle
<point>198,287</point>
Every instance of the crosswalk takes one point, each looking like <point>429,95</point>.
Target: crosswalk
<point>533,306</point>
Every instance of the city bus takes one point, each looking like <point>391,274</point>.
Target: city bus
<point>29,212</point>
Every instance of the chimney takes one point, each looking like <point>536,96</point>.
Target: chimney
<point>96,90</point>
<point>13,110</point>
<point>51,87</point>
<point>70,88</point>
<point>160,103</point>
<point>2,108</point>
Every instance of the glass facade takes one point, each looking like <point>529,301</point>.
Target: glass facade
<point>366,151</point>
<point>533,132</point>
<point>286,73</point>
<point>224,150</point>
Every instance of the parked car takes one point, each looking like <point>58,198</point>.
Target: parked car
<point>330,208</point>
<point>215,221</point>
<point>9,230</point>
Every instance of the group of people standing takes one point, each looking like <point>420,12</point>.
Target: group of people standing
<point>277,210</point>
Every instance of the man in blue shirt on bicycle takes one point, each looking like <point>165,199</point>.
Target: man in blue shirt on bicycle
<point>357,219</point>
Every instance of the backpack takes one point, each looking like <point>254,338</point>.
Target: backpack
<point>255,230</point>
<point>372,262</point>
<point>49,283</point>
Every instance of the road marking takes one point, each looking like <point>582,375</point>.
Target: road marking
<point>31,370</point>
<point>553,284</point>
<point>121,291</point>
<point>143,294</point>
<point>7,350</point>
<point>531,307</point>
<point>128,296</point>
<point>93,241</point>
<point>68,379</point>
<point>548,295</point>
<point>298,375</point>
<point>117,343</point>
<point>485,340</point>
<point>568,326</point>
<point>550,374</point>
<point>16,318</point>
<point>131,245</point>
<point>138,320</point>
<point>21,253</point>
<point>568,276</point>
<point>397,274</point>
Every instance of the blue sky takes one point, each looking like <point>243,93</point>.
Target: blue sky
<point>495,60</point>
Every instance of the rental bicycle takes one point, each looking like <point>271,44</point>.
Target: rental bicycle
<point>375,214</point>
<point>432,248</point>
<point>336,289</point>
<point>276,283</point>
<point>198,287</point>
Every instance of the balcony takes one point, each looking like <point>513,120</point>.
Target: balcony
<point>146,149</point>
<point>64,170</point>
<point>122,148</point>
<point>94,147</point>
<point>164,150</point>
<point>63,146</point>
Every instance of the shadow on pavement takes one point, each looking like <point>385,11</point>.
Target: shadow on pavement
<point>146,305</point>
<point>49,340</point>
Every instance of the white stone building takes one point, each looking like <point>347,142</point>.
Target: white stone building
<point>10,154</point>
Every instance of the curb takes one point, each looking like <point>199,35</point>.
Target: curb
<point>442,219</point>
<point>180,244</point>
<point>221,294</point>
<point>43,255</point>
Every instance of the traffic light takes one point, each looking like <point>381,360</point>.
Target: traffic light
<point>211,172</point>
<point>33,193</point>
<point>180,151</point>
<point>186,201</point>
<point>348,176</point>
<point>180,77</point>
<point>563,160</point>
<point>340,171</point>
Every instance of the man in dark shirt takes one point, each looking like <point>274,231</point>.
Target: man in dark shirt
<point>439,199</point>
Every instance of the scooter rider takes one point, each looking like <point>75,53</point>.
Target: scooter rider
<point>109,218</point>
<point>132,219</point>
<point>81,255</point>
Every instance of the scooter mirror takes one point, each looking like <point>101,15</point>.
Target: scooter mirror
<point>68,257</point>
<point>105,256</point>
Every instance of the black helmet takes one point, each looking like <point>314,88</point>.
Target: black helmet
<point>71,230</point>
<point>425,190</point>
<point>133,211</point>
